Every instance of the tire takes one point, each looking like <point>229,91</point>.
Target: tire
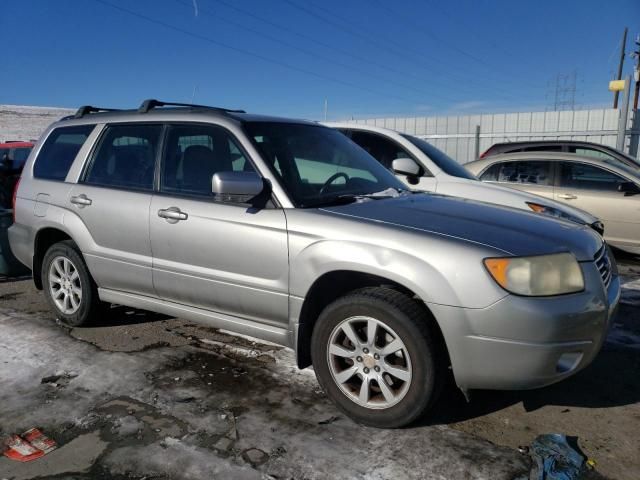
<point>63,261</point>
<point>419,364</point>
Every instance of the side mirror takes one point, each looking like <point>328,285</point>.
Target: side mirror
<point>236,187</point>
<point>628,188</point>
<point>406,166</point>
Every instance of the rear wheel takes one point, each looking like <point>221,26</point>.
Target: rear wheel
<point>375,357</point>
<point>68,286</point>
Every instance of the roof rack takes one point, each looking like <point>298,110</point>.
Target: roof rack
<point>85,109</point>
<point>151,103</point>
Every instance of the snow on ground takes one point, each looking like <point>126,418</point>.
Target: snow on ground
<point>193,411</point>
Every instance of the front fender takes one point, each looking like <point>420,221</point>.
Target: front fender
<point>324,256</point>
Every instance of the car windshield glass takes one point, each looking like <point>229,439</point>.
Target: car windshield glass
<point>635,161</point>
<point>447,164</point>
<point>317,165</point>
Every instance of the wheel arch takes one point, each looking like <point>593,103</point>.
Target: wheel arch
<point>335,284</point>
<point>44,238</point>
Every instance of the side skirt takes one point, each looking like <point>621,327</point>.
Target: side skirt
<point>239,325</point>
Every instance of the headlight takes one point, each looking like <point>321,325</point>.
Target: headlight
<point>538,276</point>
<point>553,212</point>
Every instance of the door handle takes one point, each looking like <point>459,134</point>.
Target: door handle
<point>172,214</point>
<point>81,200</point>
<point>567,196</point>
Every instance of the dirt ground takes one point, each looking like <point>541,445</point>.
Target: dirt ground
<point>144,395</point>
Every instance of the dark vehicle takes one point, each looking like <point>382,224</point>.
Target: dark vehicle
<point>586,149</point>
<point>13,156</point>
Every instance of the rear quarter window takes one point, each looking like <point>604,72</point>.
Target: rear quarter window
<point>59,150</point>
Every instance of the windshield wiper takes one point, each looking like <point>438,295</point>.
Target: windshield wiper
<point>347,198</point>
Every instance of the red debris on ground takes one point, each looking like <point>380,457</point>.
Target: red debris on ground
<point>30,445</point>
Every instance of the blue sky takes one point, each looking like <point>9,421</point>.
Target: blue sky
<point>285,57</point>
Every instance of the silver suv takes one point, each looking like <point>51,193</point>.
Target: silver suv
<point>287,231</point>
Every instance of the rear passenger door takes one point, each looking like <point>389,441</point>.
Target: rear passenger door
<point>533,176</point>
<point>222,257</point>
<point>112,200</point>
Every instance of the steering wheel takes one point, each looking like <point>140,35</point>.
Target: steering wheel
<point>332,179</point>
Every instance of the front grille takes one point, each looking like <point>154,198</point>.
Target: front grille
<point>603,265</point>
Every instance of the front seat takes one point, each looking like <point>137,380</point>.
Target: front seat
<point>198,166</point>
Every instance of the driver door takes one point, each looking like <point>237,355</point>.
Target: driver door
<point>219,256</point>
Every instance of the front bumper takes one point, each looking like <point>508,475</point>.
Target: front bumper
<point>524,342</point>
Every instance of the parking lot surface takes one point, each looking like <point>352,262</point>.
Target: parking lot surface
<point>146,396</point>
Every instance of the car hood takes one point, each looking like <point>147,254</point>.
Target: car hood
<point>513,231</point>
<point>492,193</point>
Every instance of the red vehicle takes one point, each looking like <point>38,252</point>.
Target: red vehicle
<point>13,156</point>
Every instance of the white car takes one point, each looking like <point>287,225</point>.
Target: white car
<point>423,167</point>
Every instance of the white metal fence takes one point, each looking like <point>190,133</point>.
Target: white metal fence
<point>463,136</point>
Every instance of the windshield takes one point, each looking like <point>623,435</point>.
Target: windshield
<point>628,169</point>
<point>447,164</point>
<point>318,165</point>
<point>635,162</point>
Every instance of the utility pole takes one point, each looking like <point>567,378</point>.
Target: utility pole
<point>620,65</point>
<point>326,107</point>
<point>636,74</point>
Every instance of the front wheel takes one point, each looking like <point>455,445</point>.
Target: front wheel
<point>375,356</point>
<point>68,286</point>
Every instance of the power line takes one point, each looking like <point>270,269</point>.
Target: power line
<point>385,67</point>
<point>424,31</point>
<point>309,52</point>
<point>398,50</point>
<point>249,53</point>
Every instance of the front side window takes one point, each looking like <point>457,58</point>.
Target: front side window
<point>380,148</point>
<point>318,165</point>
<point>194,153</point>
<point>125,157</point>
<point>526,172</point>
<point>588,177</point>
<point>59,151</point>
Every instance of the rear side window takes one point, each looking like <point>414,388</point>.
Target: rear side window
<point>59,151</point>
<point>543,148</point>
<point>527,172</point>
<point>126,157</point>
<point>591,152</point>
<point>20,156</point>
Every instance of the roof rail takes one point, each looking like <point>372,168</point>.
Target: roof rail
<point>151,103</point>
<point>85,109</point>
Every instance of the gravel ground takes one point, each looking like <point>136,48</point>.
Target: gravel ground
<point>146,396</point>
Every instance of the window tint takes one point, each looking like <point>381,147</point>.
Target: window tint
<point>59,151</point>
<point>194,153</point>
<point>125,157</point>
<point>380,148</point>
<point>588,177</point>
<point>530,172</point>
